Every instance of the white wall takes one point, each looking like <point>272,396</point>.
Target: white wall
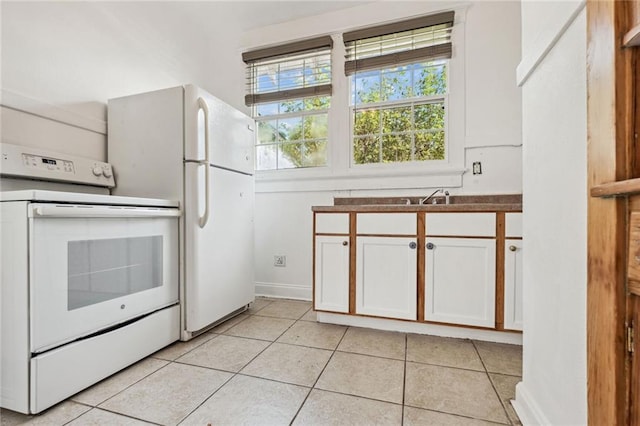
<point>490,129</point>
<point>65,59</point>
<point>554,386</point>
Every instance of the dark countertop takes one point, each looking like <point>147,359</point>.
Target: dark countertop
<point>458,203</point>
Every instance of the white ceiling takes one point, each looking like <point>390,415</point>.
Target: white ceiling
<point>248,15</point>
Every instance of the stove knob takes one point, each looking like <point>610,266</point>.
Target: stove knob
<point>106,171</point>
<point>97,170</point>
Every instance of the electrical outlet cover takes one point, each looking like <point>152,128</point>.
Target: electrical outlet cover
<point>477,168</point>
<point>280,260</point>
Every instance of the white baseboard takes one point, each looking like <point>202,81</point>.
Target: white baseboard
<point>421,328</point>
<point>526,407</point>
<point>285,291</point>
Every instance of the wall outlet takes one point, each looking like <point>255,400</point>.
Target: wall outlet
<point>280,260</point>
<point>477,168</point>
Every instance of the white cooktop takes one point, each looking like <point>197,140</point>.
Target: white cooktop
<point>82,198</point>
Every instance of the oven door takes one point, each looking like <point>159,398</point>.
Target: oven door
<point>94,267</point>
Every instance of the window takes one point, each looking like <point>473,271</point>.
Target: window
<point>290,92</point>
<point>399,90</point>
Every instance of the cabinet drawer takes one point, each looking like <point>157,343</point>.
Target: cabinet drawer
<point>461,224</point>
<point>513,225</point>
<point>387,223</point>
<point>332,223</point>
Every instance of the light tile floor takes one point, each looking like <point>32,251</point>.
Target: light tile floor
<point>275,365</point>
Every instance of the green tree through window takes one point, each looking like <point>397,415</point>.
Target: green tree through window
<point>399,114</point>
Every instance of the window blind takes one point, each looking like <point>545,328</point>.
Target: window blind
<point>290,71</point>
<point>423,38</point>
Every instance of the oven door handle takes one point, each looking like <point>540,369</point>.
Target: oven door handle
<point>80,211</point>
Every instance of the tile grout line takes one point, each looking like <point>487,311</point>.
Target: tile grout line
<point>168,362</point>
<point>117,413</point>
<point>493,386</point>
<point>319,375</point>
<point>404,376</point>
<point>233,374</point>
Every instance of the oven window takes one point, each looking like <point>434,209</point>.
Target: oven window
<point>106,269</point>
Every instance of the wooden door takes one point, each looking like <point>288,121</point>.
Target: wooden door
<point>614,175</point>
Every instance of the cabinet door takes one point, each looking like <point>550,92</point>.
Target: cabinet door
<point>513,285</point>
<point>460,280</point>
<point>386,274</point>
<point>332,273</point>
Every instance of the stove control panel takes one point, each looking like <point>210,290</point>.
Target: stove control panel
<point>34,163</point>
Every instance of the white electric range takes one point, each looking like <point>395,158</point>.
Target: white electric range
<point>90,282</point>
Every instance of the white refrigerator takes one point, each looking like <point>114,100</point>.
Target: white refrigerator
<point>184,144</point>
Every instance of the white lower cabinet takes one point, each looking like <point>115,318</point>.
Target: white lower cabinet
<point>460,278</point>
<point>332,273</point>
<point>513,285</point>
<point>386,277</point>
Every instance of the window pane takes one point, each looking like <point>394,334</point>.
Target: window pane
<point>267,132</point>
<point>318,70</point>
<point>290,155</point>
<point>396,148</point>
<point>396,120</point>
<point>396,84</point>
<point>429,146</point>
<point>366,150</point>
<point>266,78</point>
<point>319,102</point>
<point>266,157</point>
<point>366,87</point>
<point>429,116</point>
<point>430,80</point>
<point>315,126</point>
<point>367,122</point>
<point>266,109</point>
<point>294,105</point>
<point>290,75</point>
<point>315,154</point>
<point>290,128</point>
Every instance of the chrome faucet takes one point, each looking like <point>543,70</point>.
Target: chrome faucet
<point>425,199</point>
<point>446,195</point>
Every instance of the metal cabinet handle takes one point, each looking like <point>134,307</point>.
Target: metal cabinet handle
<point>345,243</point>
<point>430,246</point>
<point>412,245</point>
<point>513,248</point>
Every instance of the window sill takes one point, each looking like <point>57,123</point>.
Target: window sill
<point>323,179</point>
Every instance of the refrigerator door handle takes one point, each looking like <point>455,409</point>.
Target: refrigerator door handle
<point>202,104</point>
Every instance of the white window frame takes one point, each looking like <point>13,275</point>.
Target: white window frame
<point>340,175</point>
<point>395,103</point>
<point>284,116</point>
